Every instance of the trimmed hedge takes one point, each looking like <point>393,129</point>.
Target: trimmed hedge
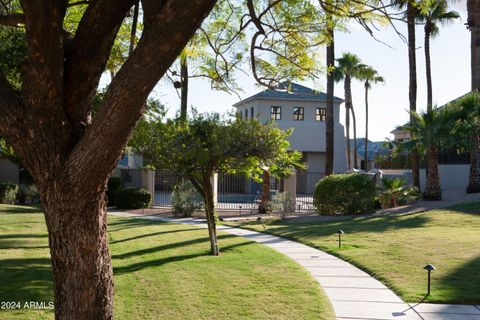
<point>132,198</point>
<point>345,194</point>
<point>8,193</point>
<point>113,185</point>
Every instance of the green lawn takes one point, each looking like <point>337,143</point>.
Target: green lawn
<point>394,249</point>
<point>163,271</point>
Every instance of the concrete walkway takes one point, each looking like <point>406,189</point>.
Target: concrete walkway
<point>353,293</point>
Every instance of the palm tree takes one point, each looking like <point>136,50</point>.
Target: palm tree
<point>411,13</point>
<point>436,13</point>
<point>469,135</point>
<point>370,76</point>
<point>330,124</point>
<point>473,8</point>
<point>431,132</point>
<point>349,67</point>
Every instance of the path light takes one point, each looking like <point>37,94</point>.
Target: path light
<point>429,268</point>
<point>299,206</point>
<point>259,219</point>
<point>340,232</point>
<point>240,207</point>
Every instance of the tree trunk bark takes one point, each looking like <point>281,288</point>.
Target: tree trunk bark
<point>474,176</point>
<point>210,213</point>
<point>330,133</point>
<point>355,162</point>
<point>365,153</point>
<point>428,67</point>
<point>81,262</point>
<point>412,89</point>
<point>432,189</point>
<point>184,88</point>
<point>473,7</point>
<point>348,105</point>
<point>265,195</point>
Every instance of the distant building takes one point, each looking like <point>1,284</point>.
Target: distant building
<point>292,105</point>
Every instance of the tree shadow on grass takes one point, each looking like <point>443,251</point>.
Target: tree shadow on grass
<point>152,234</point>
<point>127,223</point>
<point>166,247</point>
<point>462,284</point>
<point>158,262</point>
<point>370,224</point>
<point>26,279</point>
<point>467,207</point>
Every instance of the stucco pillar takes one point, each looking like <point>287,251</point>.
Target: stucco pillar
<point>290,185</point>
<point>148,181</point>
<point>214,182</point>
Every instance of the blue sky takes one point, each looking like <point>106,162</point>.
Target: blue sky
<point>450,53</point>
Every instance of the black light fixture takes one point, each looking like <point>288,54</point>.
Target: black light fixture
<point>429,267</point>
<point>340,232</point>
<point>259,219</point>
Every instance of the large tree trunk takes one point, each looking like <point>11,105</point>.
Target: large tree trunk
<point>330,124</point>
<point>428,67</point>
<point>412,88</point>
<point>348,104</point>
<point>365,153</point>
<point>50,127</point>
<point>474,176</point>
<point>473,7</point>
<point>133,32</point>
<point>184,87</point>
<point>81,263</point>
<point>265,195</point>
<point>432,189</point>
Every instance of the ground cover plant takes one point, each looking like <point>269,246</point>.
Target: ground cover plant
<point>394,248</point>
<point>163,271</point>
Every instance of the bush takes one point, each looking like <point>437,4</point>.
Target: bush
<point>282,204</point>
<point>344,194</point>
<point>132,198</point>
<point>28,194</point>
<point>8,193</point>
<point>395,192</point>
<point>186,199</point>
<point>113,185</point>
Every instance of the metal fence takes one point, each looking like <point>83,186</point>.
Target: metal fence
<point>235,192</point>
<point>306,182</point>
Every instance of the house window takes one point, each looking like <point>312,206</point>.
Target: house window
<point>298,113</point>
<point>251,113</point>
<point>275,113</point>
<point>321,114</point>
<point>246,114</point>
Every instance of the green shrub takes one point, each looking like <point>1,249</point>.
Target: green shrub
<point>113,185</point>
<point>344,194</point>
<point>395,192</point>
<point>132,198</point>
<point>28,194</point>
<point>8,193</point>
<point>282,204</point>
<point>186,199</point>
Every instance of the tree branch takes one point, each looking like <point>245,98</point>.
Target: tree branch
<point>12,20</point>
<point>89,53</point>
<point>168,27</point>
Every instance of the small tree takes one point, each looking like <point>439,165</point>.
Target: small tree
<point>208,143</point>
<point>431,132</point>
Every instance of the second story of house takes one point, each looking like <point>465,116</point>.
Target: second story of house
<point>294,106</point>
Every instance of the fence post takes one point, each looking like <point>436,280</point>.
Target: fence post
<point>214,182</point>
<point>148,181</point>
<point>290,186</point>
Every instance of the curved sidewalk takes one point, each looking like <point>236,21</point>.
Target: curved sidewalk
<point>353,293</point>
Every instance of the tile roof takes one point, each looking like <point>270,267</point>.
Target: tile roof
<point>290,91</point>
